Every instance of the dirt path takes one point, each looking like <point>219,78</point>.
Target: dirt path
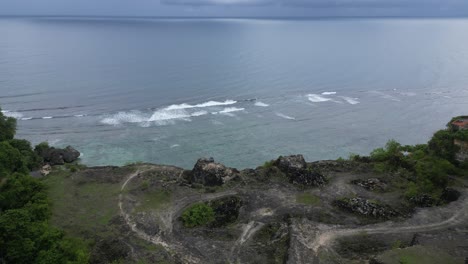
<point>167,218</point>
<point>328,234</point>
<point>156,239</point>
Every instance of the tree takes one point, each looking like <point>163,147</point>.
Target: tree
<point>7,127</point>
<point>11,160</point>
<point>31,158</point>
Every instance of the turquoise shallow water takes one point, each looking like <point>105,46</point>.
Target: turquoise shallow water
<point>243,91</point>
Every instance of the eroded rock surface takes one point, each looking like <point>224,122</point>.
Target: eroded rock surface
<point>210,173</point>
<point>56,156</point>
<point>366,207</point>
<point>372,184</point>
<point>296,169</point>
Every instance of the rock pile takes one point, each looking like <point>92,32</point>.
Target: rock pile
<point>56,156</point>
<point>295,168</point>
<point>372,184</point>
<point>365,207</point>
<point>209,173</point>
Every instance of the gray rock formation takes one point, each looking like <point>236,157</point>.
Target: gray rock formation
<point>365,207</point>
<point>296,169</point>
<point>209,173</point>
<point>372,184</point>
<point>56,156</point>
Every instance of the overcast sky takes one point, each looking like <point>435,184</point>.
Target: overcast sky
<point>236,8</point>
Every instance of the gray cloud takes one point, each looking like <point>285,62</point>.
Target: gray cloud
<point>325,3</point>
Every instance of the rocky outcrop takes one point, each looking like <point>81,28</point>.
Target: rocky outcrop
<point>56,156</point>
<point>450,195</point>
<point>45,170</point>
<point>297,171</point>
<point>365,207</point>
<point>372,184</point>
<point>209,173</point>
<point>291,163</point>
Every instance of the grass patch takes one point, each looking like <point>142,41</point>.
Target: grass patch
<point>81,207</point>
<point>154,200</point>
<point>307,198</point>
<point>417,255</point>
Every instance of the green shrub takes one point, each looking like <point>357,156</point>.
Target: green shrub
<point>11,160</point>
<point>198,215</point>
<point>7,127</point>
<point>268,164</point>
<point>441,145</point>
<point>41,147</point>
<point>31,158</point>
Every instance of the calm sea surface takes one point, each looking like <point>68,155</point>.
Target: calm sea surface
<point>242,91</point>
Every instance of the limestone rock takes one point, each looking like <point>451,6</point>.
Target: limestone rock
<point>372,184</point>
<point>209,173</point>
<point>365,207</point>
<point>296,169</point>
<point>45,170</point>
<point>56,156</point>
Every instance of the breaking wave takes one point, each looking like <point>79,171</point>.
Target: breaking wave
<point>285,116</point>
<point>167,115</point>
<point>261,104</point>
<point>16,115</point>
<point>205,104</point>
<point>315,98</point>
<point>328,93</point>
<point>350,100</point>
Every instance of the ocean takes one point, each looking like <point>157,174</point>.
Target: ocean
<point>243,91</point>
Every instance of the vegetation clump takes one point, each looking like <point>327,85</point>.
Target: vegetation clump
<point>426,167</point>
<point>25,233</point>
<point>198,215</point>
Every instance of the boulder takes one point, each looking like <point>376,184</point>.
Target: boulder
<point>209,173</point>
<point>70,154</point>
<point>365,207</point>
<point>45,170</point>
<point>295,168</point>
<point>56,156</point>
<point>291,163</point>
<point>450,195</point>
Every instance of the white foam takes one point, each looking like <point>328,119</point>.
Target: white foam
<point>47,117</point>
<point>78,115</point>
<point>124,117</point>
<point>12,114</point>
<point>160,117</point>
<point>202,105</point>
<point>230,110</point>
<point>175,146</point>
<point>167,115</point>
<point>26,118</point>
<point>350,100</point>
<point>328,93</point>
<point>315,98</point>
<point>285,116</point>
<point>199,113</point>
<point>261,104</point>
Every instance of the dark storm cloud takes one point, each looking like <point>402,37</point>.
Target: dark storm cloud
<point>237,8</point>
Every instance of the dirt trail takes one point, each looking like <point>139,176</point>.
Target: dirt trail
<point>167,218</point>
<point>156,239</point>
<point>328,234</point>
